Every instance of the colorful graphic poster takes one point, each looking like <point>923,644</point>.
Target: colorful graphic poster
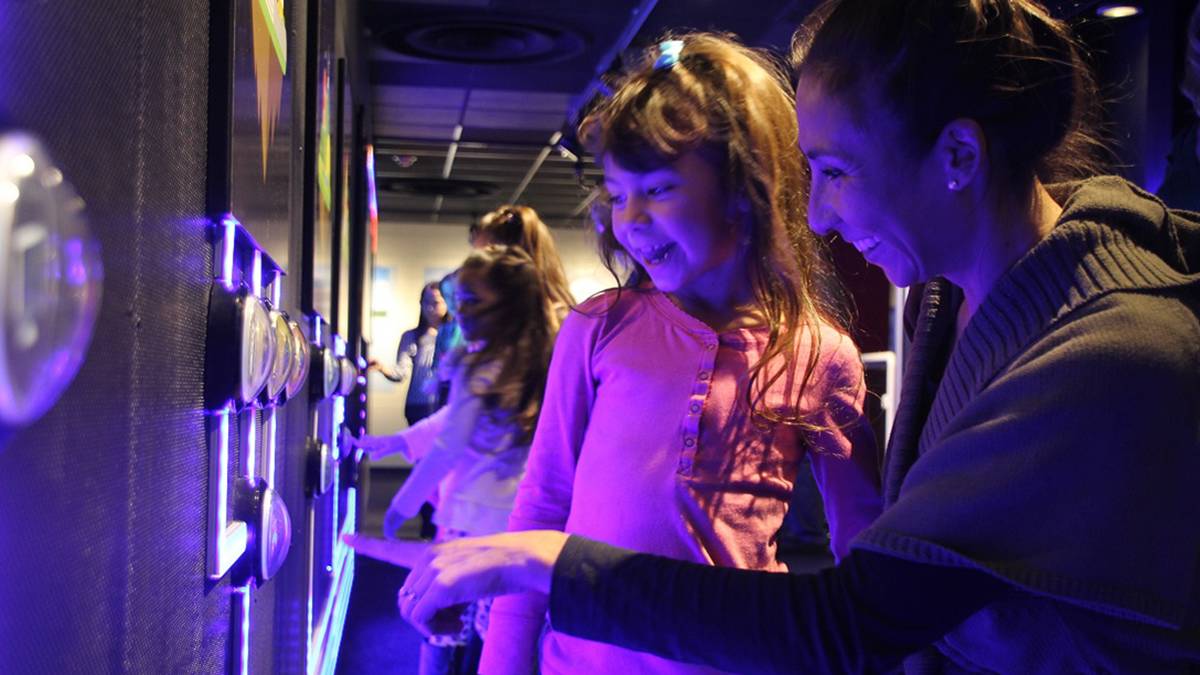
<point>260,171</point>
<point>322,273</point>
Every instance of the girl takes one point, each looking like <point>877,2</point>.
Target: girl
<point>1043,465</point>
<point>678,408</point>
<point>473,451</point>
<point>521,226</point>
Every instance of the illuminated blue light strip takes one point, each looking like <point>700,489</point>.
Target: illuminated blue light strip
<point>334,645</point>
<point>326,643</point>
<point>256,275</point>
<point>243,598</point>
<point>339,416</point>
<point>223,462</point>
<point>251,443</point>
<point>273,444</point>
<point>312,586</point>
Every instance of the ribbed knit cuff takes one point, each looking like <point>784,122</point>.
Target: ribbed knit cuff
<point>576,597</point>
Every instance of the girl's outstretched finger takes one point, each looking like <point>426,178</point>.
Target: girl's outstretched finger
<point>402,553</point>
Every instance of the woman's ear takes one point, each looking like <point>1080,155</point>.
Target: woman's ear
<point>962,152</point>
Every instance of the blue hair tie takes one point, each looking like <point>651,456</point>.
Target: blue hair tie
<point>668,53</point>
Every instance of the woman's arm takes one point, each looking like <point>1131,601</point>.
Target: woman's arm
<point>404,358</point>
<point>865,615</point>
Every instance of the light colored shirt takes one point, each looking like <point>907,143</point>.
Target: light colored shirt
<point>645,442</point>
<point>467,455</point>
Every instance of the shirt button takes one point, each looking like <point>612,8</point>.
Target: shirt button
<point>704,375</point>
<point>695,407</point>
<point>710,346</point>
<point>689,442</point>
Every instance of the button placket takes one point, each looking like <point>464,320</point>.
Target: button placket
<point>695,406</point>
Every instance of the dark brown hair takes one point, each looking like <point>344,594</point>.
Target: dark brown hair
<point>510,225</point>
<point>1007,64</point>
<point>517,330</point>
<point>732,105</point>
<point>422,324</point>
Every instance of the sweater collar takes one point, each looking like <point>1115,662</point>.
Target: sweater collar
<point>1111,236</point>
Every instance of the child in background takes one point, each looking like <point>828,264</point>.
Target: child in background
<point>679,407</point>
<point>473,450</point>
<point>521,226</point>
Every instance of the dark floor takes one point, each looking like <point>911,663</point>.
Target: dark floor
<point>377,640</point>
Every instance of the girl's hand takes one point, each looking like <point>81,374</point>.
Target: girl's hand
<point>394,519</point>
<point>463,570</point>
<point>376,447</point>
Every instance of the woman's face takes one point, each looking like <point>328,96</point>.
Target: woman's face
<point>433,307</point>
<point>867,188</point>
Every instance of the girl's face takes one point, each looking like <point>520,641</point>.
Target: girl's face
<point>476,300</point>
<point>865,187</point>
<point>433,307</point>
<point>675,221</point>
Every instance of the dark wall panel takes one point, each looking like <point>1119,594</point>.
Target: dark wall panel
<point>102,502</point>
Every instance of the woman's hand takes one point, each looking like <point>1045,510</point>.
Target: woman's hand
<point>463,570</point>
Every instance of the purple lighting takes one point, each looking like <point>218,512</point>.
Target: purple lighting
<point>227,539</point>
<point>229,238</point>
<point>243,598</point>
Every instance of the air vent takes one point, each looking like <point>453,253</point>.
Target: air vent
<point>483,40</point>
<point>445,187</point>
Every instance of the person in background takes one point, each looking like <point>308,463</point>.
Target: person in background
<point>678,408</point>
<point>1042,469</point>
<point>416,363</point>
<point>450,336</point>
<point>1181,185</point>
<point>521,226</point>
<point>472,452</point>
<point>508,226</point>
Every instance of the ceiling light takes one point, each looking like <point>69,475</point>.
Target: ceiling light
<point>1118,10</point>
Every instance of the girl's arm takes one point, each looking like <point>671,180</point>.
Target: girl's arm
<point>453,425</point>
<point>544,496</point>
<point>845,457</point>
<point>413,443</point>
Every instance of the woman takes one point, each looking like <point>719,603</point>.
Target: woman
<point>415,357</point>
<point>1040,484</point>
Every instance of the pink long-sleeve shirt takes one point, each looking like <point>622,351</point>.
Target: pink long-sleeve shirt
<point>644,441</point>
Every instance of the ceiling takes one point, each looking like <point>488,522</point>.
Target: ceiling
<point>474,101</point>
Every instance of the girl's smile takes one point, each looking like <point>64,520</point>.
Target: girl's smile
<point>676,223</point>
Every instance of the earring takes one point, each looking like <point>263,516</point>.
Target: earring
<point>953,184</point>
